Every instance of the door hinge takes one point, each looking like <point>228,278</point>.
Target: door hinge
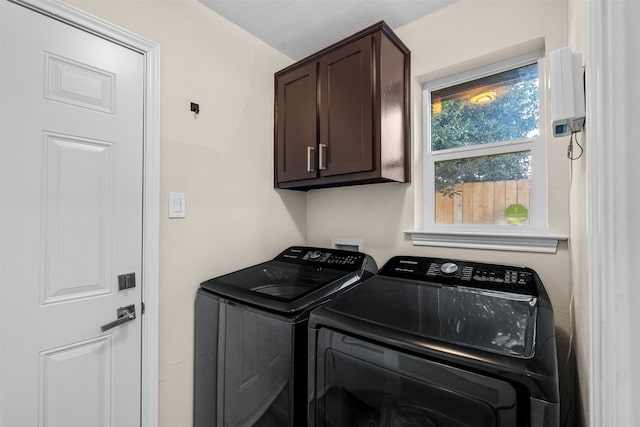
<point>142,309</point>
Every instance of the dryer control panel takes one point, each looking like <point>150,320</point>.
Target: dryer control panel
<point>463,273</point>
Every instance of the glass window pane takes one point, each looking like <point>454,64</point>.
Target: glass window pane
<point>500,107</point>
<point>483,190</point>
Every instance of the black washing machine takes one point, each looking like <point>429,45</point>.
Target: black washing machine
<point>251,335</point>
<point>433,342</point>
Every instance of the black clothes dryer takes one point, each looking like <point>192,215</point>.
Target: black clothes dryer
<point>432,342</point>
<point>251,335</point>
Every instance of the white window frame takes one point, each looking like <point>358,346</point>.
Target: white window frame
<point>531,238</point>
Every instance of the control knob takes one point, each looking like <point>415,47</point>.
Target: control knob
<point>449,268</point>
<point>315,254</point>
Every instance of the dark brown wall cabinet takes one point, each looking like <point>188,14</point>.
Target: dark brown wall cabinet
<point>342,114</point>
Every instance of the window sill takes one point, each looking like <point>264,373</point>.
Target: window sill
<point>522,242</point>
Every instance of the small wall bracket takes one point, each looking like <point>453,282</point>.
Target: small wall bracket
<point>195,108</point>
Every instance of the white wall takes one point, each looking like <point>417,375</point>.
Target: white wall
<point>580,271</point>
<point>465,34</point>
<point>222,160</point>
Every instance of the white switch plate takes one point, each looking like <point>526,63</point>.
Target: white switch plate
<point>176,205</point>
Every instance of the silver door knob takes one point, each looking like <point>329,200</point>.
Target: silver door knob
<point>124,315</point>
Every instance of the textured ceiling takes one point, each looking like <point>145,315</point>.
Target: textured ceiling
<point>299,28</point>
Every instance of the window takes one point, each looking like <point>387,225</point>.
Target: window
<point>484,163</point>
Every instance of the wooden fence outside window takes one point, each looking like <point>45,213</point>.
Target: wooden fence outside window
<point>481,202</point>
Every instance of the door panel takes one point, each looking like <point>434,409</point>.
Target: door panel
<point>77,260</point>
<point>71,403</point>
<point>78,84</point>
<point>70,223</point>
<point>296,120</point>
<point>346,109</point>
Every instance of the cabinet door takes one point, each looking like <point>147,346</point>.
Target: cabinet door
<point>346,109</point>
<point>296,134</point>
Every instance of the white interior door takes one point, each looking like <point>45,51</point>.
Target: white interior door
<point>71,157</point>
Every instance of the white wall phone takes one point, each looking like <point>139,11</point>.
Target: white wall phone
<point>567,91</point>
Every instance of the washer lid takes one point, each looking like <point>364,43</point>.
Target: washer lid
<point>278,280</point>
<point>499,322</point>
<point>298,278</point>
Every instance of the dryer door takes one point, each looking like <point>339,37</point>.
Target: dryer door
<point>362,384</point>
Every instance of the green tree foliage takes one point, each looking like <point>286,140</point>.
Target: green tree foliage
<point>456,123</point>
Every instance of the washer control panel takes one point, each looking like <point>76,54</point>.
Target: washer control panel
<point>318,255</point>
<point>322,257</point>
<point>463,273</point>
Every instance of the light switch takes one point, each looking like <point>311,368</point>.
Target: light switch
<point>176,205</point>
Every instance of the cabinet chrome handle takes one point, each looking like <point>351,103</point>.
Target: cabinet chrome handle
<point>124,315</point>
<point>322,163</point>
<point>310,159</point>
